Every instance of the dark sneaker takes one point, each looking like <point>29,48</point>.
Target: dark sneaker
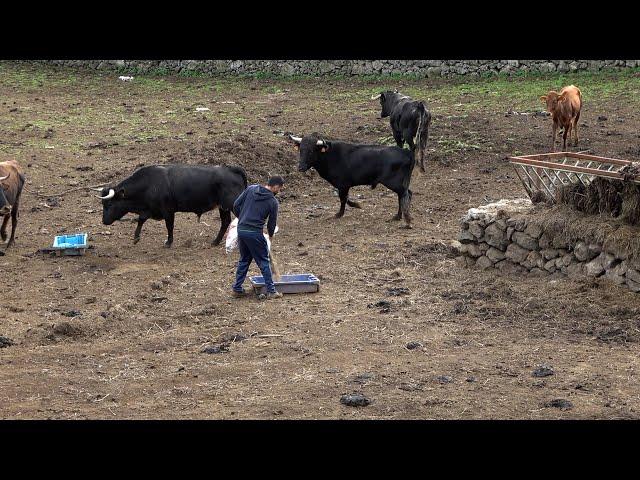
<point>271,296</point>
<point>241,294</point>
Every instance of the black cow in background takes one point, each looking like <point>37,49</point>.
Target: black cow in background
<point>409,119</point>
<point>159,191</point>
<point>345,165</point>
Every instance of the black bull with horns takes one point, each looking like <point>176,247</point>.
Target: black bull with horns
<point>159,191</point>
<point>345,165</point>
<point>409,119</point>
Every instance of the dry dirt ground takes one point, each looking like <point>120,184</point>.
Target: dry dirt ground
<point>119,333</point>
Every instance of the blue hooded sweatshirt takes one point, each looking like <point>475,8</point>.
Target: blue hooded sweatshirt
<point>252,208</point>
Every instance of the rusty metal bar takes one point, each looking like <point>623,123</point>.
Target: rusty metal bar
<point>544,170</point>
<point>542,181</point>
<point>614,161</point>
<point>570,168</point>
<point>531,180</point>
<point>526,187</point>
<point>555,172</point>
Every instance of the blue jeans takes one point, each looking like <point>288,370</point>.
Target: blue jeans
<point>253,246</point>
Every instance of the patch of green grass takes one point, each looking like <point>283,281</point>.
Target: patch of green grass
<point>31,76</point>
<point>452,145</point>
<point>262,75</point>
<point>273,89</point>
<point>386,140</point>
<point>192,73</point>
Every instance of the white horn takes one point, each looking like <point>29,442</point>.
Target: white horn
<point>3,178</point>
<point>111,194</point>
<point>320,142</point>
<point>295,139</point>
<point>375,97</point>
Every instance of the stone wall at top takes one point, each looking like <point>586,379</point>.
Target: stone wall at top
<point>422,68</point>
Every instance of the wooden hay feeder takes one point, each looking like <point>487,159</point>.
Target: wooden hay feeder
<point>544,175</point>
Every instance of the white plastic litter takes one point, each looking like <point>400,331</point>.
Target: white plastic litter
<point>202,109</point>
<point>125,78</point>
<point>231,237</point>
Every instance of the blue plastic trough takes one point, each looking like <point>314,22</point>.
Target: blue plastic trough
<point>300,283</point>
<point>71,244</point>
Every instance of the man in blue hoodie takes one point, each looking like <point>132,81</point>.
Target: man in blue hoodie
<point>253,207</point>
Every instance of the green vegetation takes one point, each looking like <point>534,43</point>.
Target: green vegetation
<point>450,145</point>
<point>87,106</point>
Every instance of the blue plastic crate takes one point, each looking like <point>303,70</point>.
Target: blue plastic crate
<point>71,244</point>
<point>298,283</point>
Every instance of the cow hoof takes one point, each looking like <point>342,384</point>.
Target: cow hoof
<point>408,227</point>
<point>136,240</point>
<point>339,215</point>
<point>395,218</point>
<point>168,244</point>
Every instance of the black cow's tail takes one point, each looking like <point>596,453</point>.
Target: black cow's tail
<point>240,171</point>
<point>423,132</point>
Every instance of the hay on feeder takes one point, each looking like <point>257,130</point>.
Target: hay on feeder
<point>592,199</point>
<point>630,212</point>
<point>539,197</point>
<point>573,194</point>
<point>603,197</point>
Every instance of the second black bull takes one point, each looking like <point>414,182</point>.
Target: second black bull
<point>159,191</point>
<point>409,119</point>
<point>345,165</point>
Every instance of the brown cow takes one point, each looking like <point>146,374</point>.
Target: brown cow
<point>564,108</point>
<point>11,183</point>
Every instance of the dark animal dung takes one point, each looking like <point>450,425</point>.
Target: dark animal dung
<point>363,378</point>
<point>216,349</point>
<point>232,337</point>
<point>386,306</point>
<point>560,403</point>
<point>444,379</point>
<point>355,400</point>
<point>397,291</point>
<point>543,371</point>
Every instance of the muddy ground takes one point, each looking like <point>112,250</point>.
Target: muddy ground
<point>119,333</point>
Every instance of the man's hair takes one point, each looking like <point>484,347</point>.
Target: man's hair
<point>275,180</point>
